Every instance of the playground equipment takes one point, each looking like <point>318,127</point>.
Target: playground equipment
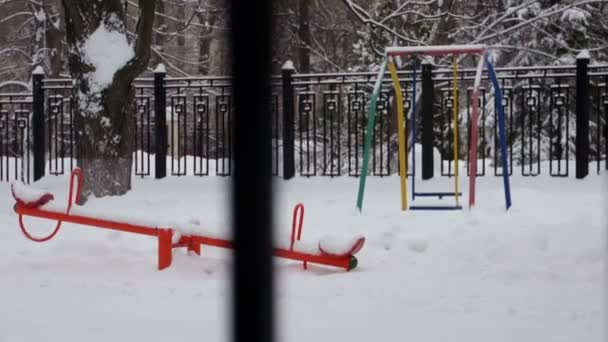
<point>455,51</point>
<point>456,194</point>
<point>40,204</point>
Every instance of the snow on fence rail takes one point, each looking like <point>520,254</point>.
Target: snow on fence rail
<point>328,112</point>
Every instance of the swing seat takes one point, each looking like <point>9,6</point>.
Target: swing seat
<point>435,207</point>
<point>40,204</point>
<point>435,194</point>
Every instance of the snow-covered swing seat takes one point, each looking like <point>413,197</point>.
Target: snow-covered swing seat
<point>39,203</point>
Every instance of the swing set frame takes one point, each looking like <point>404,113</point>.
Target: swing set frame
<point>445,50</point>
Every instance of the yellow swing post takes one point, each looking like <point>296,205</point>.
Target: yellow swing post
<point>455,121</point>
<point>400,133</point>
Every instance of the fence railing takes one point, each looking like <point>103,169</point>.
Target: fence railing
<point>555,114</point>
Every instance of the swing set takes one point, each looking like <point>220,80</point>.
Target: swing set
<point>455,51</point>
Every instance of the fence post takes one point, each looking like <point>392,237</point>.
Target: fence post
<point>582,114</point>
<point>38,122</point>
<point>160,119</point>
<point>289,164</point>
<point>428,99</point>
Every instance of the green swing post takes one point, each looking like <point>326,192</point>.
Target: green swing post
<point>370,131</point>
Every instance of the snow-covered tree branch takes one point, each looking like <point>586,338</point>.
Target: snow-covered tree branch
<point>547,32</point>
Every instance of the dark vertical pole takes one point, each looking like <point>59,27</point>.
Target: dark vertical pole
<point>427,120</point>
<point>252,282</point>
<point>289,164</point>
<point>582,116</point>
<point>38,122</point>
<point>160,119</point>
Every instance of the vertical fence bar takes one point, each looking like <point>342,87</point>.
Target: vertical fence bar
<point>289,163</point>
<point>444,142</point>
<point>4,156</point>
<point>274,105</point>
<point>597,108</point>
<point>427,121</point>
<point>160,118</point>
<point>582,115</point>
<point>200,135</point>
<point>38,122</point>
<point>354,118</point>
<point>325,138</point>
<point>605,103</point>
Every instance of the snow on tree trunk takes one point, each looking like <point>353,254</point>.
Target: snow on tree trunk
<point>104,63</point>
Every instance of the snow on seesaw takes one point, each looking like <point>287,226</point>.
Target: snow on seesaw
<point>534,273</point>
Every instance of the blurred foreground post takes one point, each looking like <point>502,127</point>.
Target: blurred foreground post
<point>252,195</point>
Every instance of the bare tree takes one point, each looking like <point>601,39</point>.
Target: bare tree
<point>184,32</point>
<point>524,32</point>
<point>31,34</point>
<point>104,112</point>
<point>318,34</point>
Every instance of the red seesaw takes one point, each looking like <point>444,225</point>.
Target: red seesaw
<point>38,203</point>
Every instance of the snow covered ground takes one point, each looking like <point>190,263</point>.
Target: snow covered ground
<point>535,273</point>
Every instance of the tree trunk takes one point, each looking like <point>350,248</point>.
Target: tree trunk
<point>204,40</point>
<point>219,54</point>
<point>104,117</point>
<point>181,37</point>
<point>304,35</point>
<point>54,36</point>
<point>56,55</point>
<point>105,151</point>
<point>203,45</point>
<point>159,38</point>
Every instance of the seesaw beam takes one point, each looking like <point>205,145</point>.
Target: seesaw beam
<point>29,202</point>
<point>165,239</point>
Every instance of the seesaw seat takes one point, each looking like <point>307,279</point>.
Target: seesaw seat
<point>33,202</point>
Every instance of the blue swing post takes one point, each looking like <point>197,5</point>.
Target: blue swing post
<point>501,131</point>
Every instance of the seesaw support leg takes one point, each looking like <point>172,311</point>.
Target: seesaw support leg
<point>165,248</point>
<point>194,247</point>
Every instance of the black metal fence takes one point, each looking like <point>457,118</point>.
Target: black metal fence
<point>318,123</point>
<point>540,108</point>
<point>15,140</point>
<point>198,117</point>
